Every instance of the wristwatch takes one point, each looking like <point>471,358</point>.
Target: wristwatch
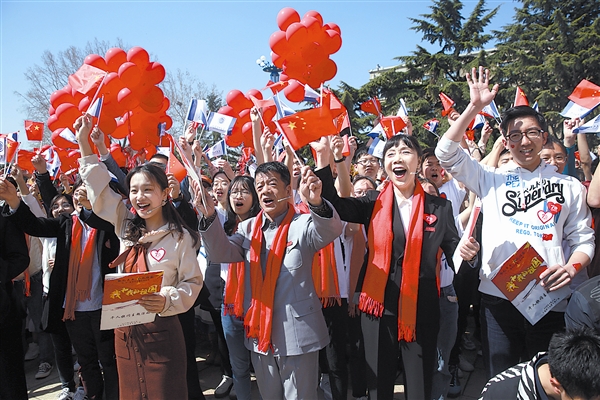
<point>340,160</point>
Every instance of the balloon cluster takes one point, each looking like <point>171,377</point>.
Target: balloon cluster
<point>238,106</point>
<point>133,104</point>
<point>301,48</point>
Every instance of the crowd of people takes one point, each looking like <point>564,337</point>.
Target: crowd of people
<point>345,276</point>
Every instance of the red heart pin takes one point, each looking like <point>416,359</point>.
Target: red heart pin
<point>158,254</point>
<point>554,208</point>
<point>430,218</point>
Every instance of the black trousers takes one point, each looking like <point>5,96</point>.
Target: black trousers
<point>381,354</point>
<point>13,385</point>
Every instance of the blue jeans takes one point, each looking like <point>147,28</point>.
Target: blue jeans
<point>445,341</point>
<point>239,355</point>
<point>508,338</point>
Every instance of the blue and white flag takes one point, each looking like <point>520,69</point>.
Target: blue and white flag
<point>479,121</point>
<point>592,126</point>
<point>283,110</point>
<point>2,150</point>
<point>432,125</point>
<point>375,132</point>
<point>536,107</point>
<point>162,129</point>
<point>402,111</point>
<point>220,123</point>
<point>376,148</point>
<point>217,150</point>
<point>311,95</point>
<point>95,109</point>
<point>491,110</point>
<point>68,135</point>
<point>574,110</point>
<point>52,161</point>
<point>278,144</point>
<point>198,111</point>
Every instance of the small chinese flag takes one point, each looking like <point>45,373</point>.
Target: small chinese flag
<point>586,94</point>
<point>34,130</point>
<point>307,126</point>
<point>447,104</point>
<point>372,106</point>
<point>520,98</point>
<point>392,125</point>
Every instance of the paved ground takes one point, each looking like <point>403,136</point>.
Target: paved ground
<point>210,376</point>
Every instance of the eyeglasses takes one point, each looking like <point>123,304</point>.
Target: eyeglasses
<point>360,193</point>
<point>517,136</point>
<point>367,161</point>
<point>243,193</point>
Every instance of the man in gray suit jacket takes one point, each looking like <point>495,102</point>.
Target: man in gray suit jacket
<point>288,367</point>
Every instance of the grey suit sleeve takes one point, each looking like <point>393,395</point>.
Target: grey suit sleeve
<point>322,231</point>
<point>219,247</point>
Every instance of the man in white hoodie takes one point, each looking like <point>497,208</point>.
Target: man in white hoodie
<point>526,201</point>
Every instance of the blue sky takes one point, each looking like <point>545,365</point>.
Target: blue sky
<point>217,41</point>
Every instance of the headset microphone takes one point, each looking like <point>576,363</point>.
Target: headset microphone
<point>284,199</point>
<point>153,209</point>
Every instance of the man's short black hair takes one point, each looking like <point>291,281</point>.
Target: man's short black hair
<point>550,144</point>
<point>574,360</point>
<point>518,112</point>
<point>359,178</point>
<point>160,156</point>
<point>361,151</point>
<point>277,167</point>
<point>428,152</point>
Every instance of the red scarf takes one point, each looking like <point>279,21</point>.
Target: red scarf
<point>259,318</point>
<point>79,279</point>
<point>380,252</point>
<point>234,290</point>
<point>134,258</point>
<point>324,270</point>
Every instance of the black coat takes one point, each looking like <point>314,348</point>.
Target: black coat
<point>441,234</point>
<point>14,259</point>
<point>107,246</point>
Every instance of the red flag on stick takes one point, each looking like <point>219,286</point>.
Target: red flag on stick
<point>372,106</point>
<point>392,125</point>
<point>586,94</point>
<point>520,98</point>
<point>34,130</point>
<point>447,104</point>
<point>86,79</point>
<point>306,126</point>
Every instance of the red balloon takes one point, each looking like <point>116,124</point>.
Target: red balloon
<point>137,140</point>
<point>228,110</point>
<point>114,58</point>
<point>256,93</point>
<point>328,69</point>
<point>312,25</point>
<point>247,127</point>
<point>335,27</point>
<point>53,122</point>
<point>77,96</point>
<point>244,116</point>
<point>296,35</point>
<point>155,73</point>
<point>315,15</point>
<point>165,141</point>
<point>286,17</point>
<point>294,91</point>
<point>61,96</point>
<point>130,74</point>
<point>112,86</point>
<point>96,61</point>
<point>237,100</point>
<point>333,43</point>
<point>268,113</point>
<point>117,153</point>
<point>127,100</point>
<point>277,60</point>
<point>234,141</point>
<point>278,42</point>
<point>121,130</point>
<point>67,114</point>
<point>107,125</point>
<point>84,104</point>
<point>150,151</point>
<point>51,110</point>
<point>165,106</point>
<point>153,97</point>
<point>139,57</point>
<point>313,52</point>
<point>166,119</point>
<point>283,77</point>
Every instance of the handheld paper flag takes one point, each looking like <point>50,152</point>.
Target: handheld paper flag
<point>96,108</point>
<point>34,130</point>
<point>573,110</point>
<point>586,94</point>
<point>432,125</point>
<point>217,150</point>
<point>220,123</point>
<point>592,126</point>
<point>372,106</point>
<point>520,98</point>
<point>306,126</point>
<point>447,104</point>
<point>198,111</point>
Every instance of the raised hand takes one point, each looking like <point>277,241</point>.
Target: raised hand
<point>80,196</point>
<point>336,143</point>
<point>8,193</point>
<point>39,163</point>
<point>310,187</point>
<point>203,202</point>
<point>479,87</point>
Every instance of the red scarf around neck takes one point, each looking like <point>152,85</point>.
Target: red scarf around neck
<point>259,318</point>
<point>380,240</point>
<point>79,279</point>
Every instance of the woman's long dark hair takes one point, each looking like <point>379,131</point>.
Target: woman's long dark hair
<point>243,182</point>
<point>136,226</point>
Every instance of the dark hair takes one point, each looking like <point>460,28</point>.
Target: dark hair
<point>246,182</point>
<point>521,111</point>
<point>550,144</point>
<point>423,180</point>
<point>60,196</point>
<point>277,167</point>
<point>159,156</point>
<point>136,226</point>
<point>359,178</point>
<point>220,172</point>
<point>574,360</point>
<point>428,152</point>
<point>361,151</point>
<point>410,141</point>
